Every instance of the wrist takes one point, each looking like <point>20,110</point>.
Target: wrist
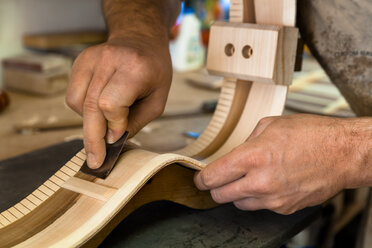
<point>358,147</point>
<point>157,36</point>
<point>148,19</point>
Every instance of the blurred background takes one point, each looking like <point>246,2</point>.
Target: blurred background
<point>39,40</point>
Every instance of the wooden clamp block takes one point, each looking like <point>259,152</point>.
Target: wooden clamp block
<point>254,52</point>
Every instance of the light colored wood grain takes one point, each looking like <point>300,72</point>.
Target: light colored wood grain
<point>34,200</point>
<point>56,180</point>
<point>264,100</point>
<point>276,12</point>
<point>8,216</point>
<point>68,171</point>
<point>77,160</point>
<point>227,114</point>
<point>3,220</point>
<point>97,191</point>
<point>28,204</point>
<point>15,212</point>
<point>21,208</point>
<point>72,166</point>
<point>51,185</point>
<point>273,52</point>
<point>40,195</point>
<point>46,190</point>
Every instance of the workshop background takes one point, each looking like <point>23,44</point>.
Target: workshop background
<point>39,39</point>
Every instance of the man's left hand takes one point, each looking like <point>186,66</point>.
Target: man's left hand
<point>288,163</point>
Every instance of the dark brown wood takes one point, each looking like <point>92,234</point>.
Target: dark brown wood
<point>4,100</point>
<point>339,35</point>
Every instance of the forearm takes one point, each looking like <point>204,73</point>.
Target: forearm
<point>147,21</point>
<point>359,138</point>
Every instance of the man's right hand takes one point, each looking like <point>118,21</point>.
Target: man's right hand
<point>116,86</point>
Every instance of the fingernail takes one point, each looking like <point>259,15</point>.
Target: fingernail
<point>92,161</point>
<point>110,136</point>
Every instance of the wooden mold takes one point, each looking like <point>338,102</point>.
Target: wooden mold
<point>261,53</point>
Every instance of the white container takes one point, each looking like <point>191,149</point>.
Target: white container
<point>188,52</point>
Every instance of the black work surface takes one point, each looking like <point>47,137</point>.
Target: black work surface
<point>159,224</point>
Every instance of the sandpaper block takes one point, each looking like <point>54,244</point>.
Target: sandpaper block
<point>112,154</point>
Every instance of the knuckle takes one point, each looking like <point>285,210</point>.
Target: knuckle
<point>108,53</point>
<point>108,50</point>
<point>206,178</point>
<point>241,205</point>
<point>243,189</point>
<point>135,56</point>
<point>216,196</point>
<point>137,62</point>
<point>158,109</point>
<point>90,105</point>
<point>261,185</point>
<point>106,104</point>
<point>73,101</point>
<point>276,205</point>
<point>255,158</point>
<point>266,120</point>
<point>85,54</point>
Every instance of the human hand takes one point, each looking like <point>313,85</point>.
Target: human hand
<point>289,163</point>
<point>116,86</point>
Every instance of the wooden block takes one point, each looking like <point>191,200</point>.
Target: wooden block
<point>45,83</point>
<point>97,191</point>
<point>58,40</point>
<point>36,62</point>
<point>259,53</point>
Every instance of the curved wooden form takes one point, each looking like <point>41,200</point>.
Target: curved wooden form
<point>72,209</point>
